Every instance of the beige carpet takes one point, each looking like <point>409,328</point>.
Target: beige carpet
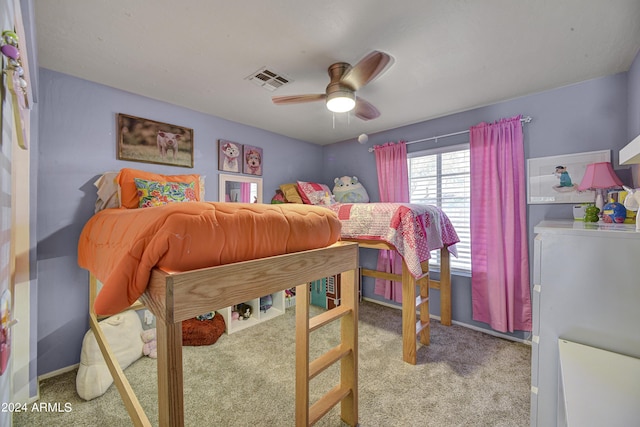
<point>464,378</point>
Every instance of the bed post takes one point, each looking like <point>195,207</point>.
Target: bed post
<point>349,287</point>
<point>302,355</point>
<point>170,375</point>
<point>445,286</point>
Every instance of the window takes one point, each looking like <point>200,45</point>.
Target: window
<point>441,177</point>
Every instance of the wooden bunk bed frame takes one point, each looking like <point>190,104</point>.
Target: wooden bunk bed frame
<point>174,297</point>
<point>412,326</point>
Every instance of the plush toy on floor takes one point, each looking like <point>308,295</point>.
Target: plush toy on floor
<point>150,344</point>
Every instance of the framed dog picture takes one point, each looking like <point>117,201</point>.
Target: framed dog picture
<point>148,141</point>
<point>252,158</point>
<point>229,156</point>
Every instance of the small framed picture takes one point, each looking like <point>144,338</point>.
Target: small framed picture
<point>555,179</point>
<point>252,157</point>
<point>148,141</point>
<point>229,156</point>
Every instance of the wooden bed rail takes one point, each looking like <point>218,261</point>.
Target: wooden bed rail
<point>174,297</point>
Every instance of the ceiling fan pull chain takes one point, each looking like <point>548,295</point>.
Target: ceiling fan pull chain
<point>333,119</point>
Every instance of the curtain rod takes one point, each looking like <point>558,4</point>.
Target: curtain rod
<point>526,119</point>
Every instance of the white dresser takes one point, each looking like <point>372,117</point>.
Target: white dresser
<point>586,291</point>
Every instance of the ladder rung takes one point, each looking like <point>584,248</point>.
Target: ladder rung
<point>326,402</point>
<point>328,316</point>
<point>420,325</point>
<point>421,300</point>
<point>328,359</point>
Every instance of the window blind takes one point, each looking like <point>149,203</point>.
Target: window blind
<point>441,177</point>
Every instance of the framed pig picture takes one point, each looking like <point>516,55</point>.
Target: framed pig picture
<point>148,141</point>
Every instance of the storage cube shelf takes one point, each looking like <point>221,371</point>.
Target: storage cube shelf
<point>257,316</point>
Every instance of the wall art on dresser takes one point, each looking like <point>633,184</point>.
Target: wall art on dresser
<point>148,141</point>
<point>252,160</point>
<point>555,179</point>
<point>229,156</point>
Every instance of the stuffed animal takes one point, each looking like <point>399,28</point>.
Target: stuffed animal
<point>347,189</point>
<point>150,344</point>
<point>244,311</point>
<point>206,316</point>
<point>632,202</point>
<point>278,198</point>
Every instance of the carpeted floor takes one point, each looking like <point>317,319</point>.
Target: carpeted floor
<point>464,378</point>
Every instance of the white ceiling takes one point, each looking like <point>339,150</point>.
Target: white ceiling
<point>450,55</point>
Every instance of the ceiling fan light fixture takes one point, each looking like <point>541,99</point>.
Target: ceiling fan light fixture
<point>341,101</point>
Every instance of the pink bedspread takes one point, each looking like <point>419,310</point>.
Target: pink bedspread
<point>414,230</point>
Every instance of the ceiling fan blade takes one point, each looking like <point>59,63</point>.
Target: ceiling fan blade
<point>297,99</point>
<point>364,110</point>
<point>366,70</point>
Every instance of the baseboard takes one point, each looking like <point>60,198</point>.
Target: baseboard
<point>455,322</point>
<point>386,304</point>
<point>490,332</point>
<point>57,372</point>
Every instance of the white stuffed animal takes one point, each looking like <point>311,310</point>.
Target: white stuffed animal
<point>347,189</point>
<point>632,202</point>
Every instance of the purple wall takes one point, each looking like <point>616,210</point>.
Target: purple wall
<point>77,143</point>
<point>588,116</point>
<point>634,111</point>
<point>634,98</point>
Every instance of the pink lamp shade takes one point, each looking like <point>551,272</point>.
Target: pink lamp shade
<point>599,176</point>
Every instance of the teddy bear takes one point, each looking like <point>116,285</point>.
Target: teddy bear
<point>348,189</point>
<point>150,344</point>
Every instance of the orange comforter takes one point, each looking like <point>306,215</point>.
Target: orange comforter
<point>121,246</point>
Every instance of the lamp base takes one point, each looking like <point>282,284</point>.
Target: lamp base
<point>599,201</point>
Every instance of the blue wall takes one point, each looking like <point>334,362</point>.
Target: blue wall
<point>588,116</point>
<point>77,143</point>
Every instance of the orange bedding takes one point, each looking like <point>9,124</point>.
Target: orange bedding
<point>121,246</point>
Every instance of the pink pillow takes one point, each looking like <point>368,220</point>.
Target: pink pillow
<point>312,193</point>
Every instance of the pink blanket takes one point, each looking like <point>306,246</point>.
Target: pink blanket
<point>414,230</point>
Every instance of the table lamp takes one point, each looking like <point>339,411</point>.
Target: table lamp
<point>599,177</point>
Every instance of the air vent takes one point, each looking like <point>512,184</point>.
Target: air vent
<point>269,79</point>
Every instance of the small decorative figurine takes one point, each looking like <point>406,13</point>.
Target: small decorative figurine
<point>591,214</point>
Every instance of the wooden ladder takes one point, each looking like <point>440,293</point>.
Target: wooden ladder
<point>346,392</point>
<point>411,324</point>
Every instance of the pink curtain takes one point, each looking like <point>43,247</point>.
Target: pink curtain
<point>500,261</point>
<point>245,192</point>
<point>393,185</point>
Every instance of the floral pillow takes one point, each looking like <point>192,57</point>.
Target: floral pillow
<point>129,193</point>
<point>313,193</point>
<point>155,193</point>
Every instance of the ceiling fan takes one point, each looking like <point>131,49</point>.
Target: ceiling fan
<point>340,94</point>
